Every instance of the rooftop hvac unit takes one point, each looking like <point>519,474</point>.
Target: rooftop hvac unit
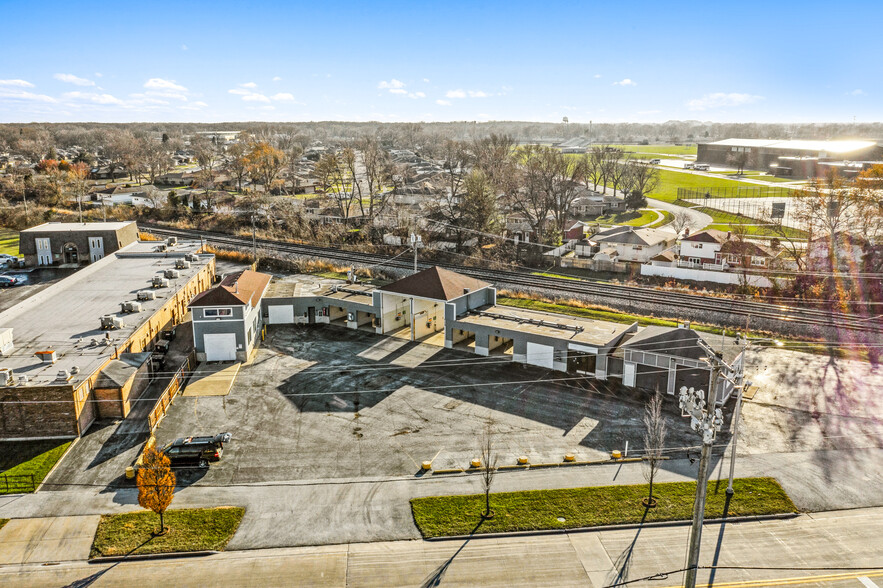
<point>63,375</point>
<point>161,247</point>
<point>6,346</point>
<point>191,257</point>
<point>111,322</point>
<point>130,306</point>
<point>23,380</point>
<point>172,241</point>
<point>170,273</point>
<point>7,378</point>
<point>160,282</point>
<point>182,264</point>
<point>146,295</point>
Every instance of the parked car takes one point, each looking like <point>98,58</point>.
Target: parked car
<point>196,450</point>
<point>689,165</point>
<point>7,281</point>
<point>701,166</point>
<point>655,161</point>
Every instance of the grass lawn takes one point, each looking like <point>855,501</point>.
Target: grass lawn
<point>667,217</point>
<point>754,175</point>
<point>441,516</point>
<point>9,242</point>
<point>28,458</point>
<point>3,522</point>
<point>671,180</point>
<point>193,529</point>
<point>631,218</point>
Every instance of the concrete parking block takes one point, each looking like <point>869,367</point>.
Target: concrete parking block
<point>212,379</point>
<point>41,540</point>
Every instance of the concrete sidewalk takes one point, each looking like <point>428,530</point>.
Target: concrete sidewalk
<point>807,544</point>
<point>49,539</point>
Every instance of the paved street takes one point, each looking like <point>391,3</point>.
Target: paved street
<point>806,544</point>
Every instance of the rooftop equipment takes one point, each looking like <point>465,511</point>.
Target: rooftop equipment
<point>146,295</point>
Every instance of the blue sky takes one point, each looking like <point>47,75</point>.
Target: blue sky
<point>773,61</point>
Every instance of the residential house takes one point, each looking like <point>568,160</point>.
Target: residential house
<point>747,254</point>
<point>633,244</point>
<point>702,248</point>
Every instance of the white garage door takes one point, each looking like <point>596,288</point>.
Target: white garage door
<point>629,373</point>
<point>220,347</point>
<point>281,315</point>
<point>541,355</point>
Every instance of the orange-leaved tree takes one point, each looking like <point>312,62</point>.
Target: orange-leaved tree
<point>156,483</point>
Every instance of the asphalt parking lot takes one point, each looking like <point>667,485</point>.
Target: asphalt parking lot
<point>326,402</point>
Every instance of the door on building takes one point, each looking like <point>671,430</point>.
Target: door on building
<point>44,252</point>
<point>220,346</point>
<point>541,355</point>
<point>96,248</point>
<point>629,374</point>
<point>71,253</point>
<point>311,315</point>
<point>281,315</point>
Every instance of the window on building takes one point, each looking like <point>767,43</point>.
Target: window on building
<point>758,261</point>
<point>218,312</point>
<point>698,245</point>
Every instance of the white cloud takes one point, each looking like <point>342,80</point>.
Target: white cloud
<point>455,94</point>
<point>397,91</point>
<point>393,84</point>
<point>722,99</point>
<point>92,97</point>
<point>857,92</point>
<point>248,85</point>
<point>426,80</point>
<point>255,97</point>
<point>239,91</point>
<point>16,93</point>
<point>72,79</point>
<point>172,95</point>
<point>282,97</point>
<point>161,84</point>
<point>625,82</point>
<point>443,102</point>
<point>98,75</point>
<point>277,79</point>
<point>17,83</point>
<point>184,47</point>
<point>478,94</point>
<point>417,95</point>
<point>200,104</point>
<point>597,76</point>
<point>458,93</point>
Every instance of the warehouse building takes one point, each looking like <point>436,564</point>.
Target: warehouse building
<point>436,303</point>
<point>74,243</point>
<point>79,348</point>
<point>796,158</point>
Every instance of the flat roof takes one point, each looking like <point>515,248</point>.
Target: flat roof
<point>596,333</point>
<point>66,317</point>
<point>805,145</point>
<point>108,226</point>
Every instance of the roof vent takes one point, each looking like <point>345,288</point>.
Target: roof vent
<point>63,375</point>
<point>465,290</point>
<point>171,274</point>
<point>7,378</point>
<point>47,356</point>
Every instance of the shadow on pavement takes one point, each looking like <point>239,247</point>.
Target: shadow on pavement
<point>624,561</point>
<point>435,578</point>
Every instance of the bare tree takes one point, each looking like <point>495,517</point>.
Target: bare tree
<point>680,221</point>
<point>489,458</point>
<point>654,442</point>
<point>379,173</point>
<point>530,199</point>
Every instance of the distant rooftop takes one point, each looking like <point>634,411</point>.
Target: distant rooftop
<point>108,226</point>
<point>847,146</point>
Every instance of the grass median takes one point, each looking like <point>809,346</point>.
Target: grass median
<point>536,510</point>
<point>24,464</point>
<point>195,529</point>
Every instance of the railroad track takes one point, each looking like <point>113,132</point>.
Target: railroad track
<point>633,295</point>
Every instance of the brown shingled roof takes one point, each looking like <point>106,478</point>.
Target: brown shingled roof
<point>240,288</point>
<point>435,283</point>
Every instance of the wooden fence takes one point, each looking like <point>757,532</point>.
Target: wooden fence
<point>178,381</point>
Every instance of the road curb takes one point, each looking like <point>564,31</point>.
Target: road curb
<point>151,556</point>
<point>624,527</point>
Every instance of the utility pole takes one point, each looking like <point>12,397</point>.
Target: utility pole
<point>416,243</point>
<point>706,419</point>
<point>741,383</point>
<point>254,240</point>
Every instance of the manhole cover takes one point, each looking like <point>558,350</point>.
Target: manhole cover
<point>561,519</point>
